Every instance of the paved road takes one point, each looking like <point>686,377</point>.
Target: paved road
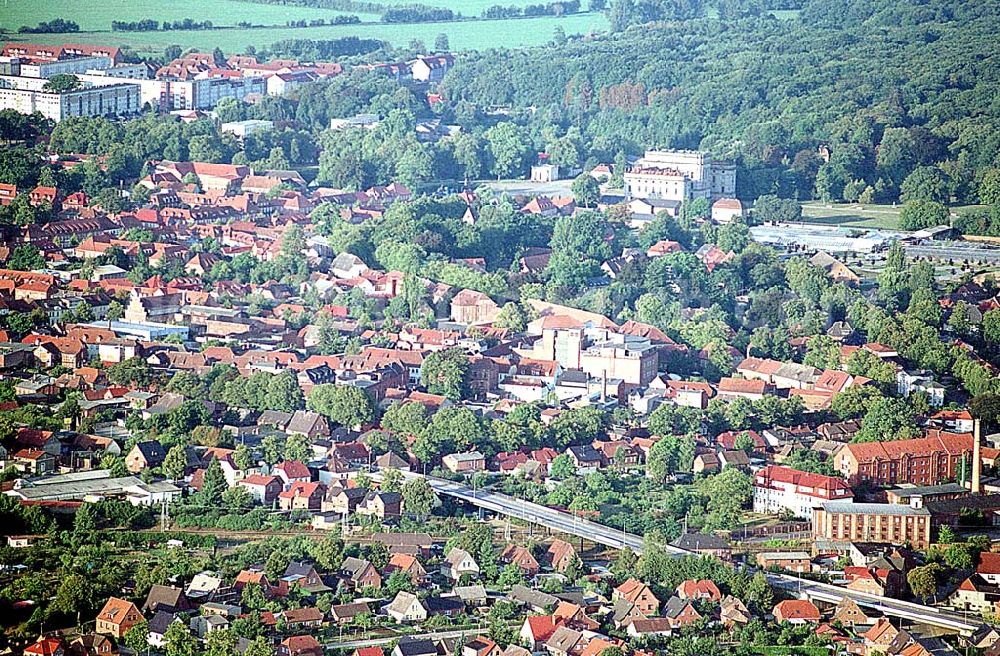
<point>617,539</point>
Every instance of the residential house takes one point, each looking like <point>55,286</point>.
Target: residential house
<point>792,561</point>
<point>779,489</point>
<point>407,646</point>
<point>406,607</point>
<point>458,563</point>
<point>407,564</point>
<point>343,614</point>
<point>796,611</point>
<point>564,641</point>
<point>301,645</point>
<point>90,644</point>
<point>359,573</point>
<point>145,455</point>
<point>383,505</point>
<point>703,590</point>
<point>166,598</point>
<point>263,489</point>
<point>561,556</point>
<point>302,496</point>
<point>117,617</point>
<point>705,544</point>
<point>305,576</point>
<point>536,631</point>
<point>639,594</point>
<point>521,557</point>
<point>460,463</point>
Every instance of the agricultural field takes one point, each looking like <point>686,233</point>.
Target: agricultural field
<point>462,35</point>
<point>96,15</point>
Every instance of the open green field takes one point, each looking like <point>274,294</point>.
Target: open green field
<point>852,216</point>
<point>462,35</point>
<point>96,15</point>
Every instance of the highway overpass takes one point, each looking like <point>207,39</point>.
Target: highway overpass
<point>556,520</point>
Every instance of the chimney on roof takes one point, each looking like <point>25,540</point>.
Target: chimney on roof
<point>977,458</point>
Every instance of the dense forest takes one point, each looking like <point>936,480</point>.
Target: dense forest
<point>900,98</point>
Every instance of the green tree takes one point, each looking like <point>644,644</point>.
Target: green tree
<point>284,393</point>
<point>26,257</point>
<point>242,457</point>
<point>511,317</point>
<point>133,371</point>
<point>136,637</point>
<point>444,373</point>
<point>923,580</point>
<point>922,213</point>
<point>586,190</point>
<point>61,83</point>
<point>345,404</point>
<point>419,498</point>
<point>924,183</point>
<point>508,149</point>
<point>887,419</point>
<point>178,641</point>
<point>175,462</point>
<point>562,467</point>
<point>213,485</point>
<point>405,418</point>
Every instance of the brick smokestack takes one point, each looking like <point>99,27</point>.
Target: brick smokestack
<point>977,459</point>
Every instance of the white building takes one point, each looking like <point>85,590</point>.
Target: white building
<point>242,128</point>
<point>909,382</point>
<point>73,66</point>
<point>777,489</point>
<point>172,95</point>
<point>679,175</point>
<point>27,95</point>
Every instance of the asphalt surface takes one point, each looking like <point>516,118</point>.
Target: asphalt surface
<point>600,534</point>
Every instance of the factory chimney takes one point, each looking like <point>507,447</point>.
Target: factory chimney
<point>977,459</point>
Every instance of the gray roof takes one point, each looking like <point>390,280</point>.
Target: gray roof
<point>697,541</point>
<point>416,647</point>
<point>469,592</point>
<point>928,490</point>
<point>839,507</point>
<point>535,598</point>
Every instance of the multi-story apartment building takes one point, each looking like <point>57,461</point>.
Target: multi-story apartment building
<point>846,521</point>
<point>921,461</point>
<point>632,359</point>
<point>197,93</point>
<point>679,175</point>
<point>600,352</point>
<point>28,95</point>
<point>777,489</point>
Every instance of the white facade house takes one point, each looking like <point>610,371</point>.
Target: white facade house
<point>406,607</point>
<point>910,382</point>
<point>778,489</point>
<point>679,175</point>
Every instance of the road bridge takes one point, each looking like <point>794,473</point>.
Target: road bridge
<point>570,524</point>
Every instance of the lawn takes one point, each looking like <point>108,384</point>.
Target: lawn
<point>462,35</point>
<point>884,217</point>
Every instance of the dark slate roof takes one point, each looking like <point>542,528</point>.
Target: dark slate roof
<point>416,647</point>
<point>699,541</point>
<point>161,621</point>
